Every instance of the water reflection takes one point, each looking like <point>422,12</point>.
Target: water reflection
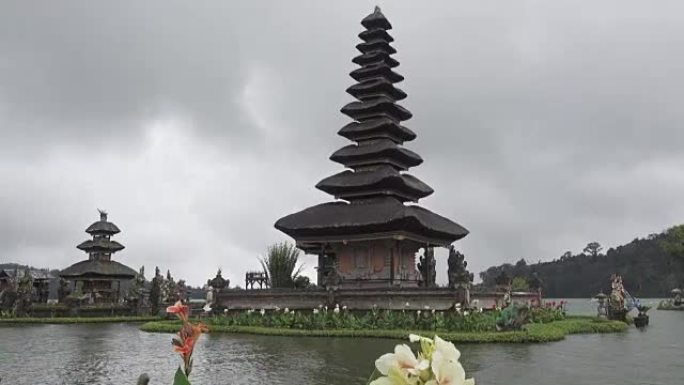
<point>118,353</point>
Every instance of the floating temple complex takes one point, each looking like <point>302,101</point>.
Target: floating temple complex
<point>370,234</point>
<point>98,275</point>
<point>367,239</point>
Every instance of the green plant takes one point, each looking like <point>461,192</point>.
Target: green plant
<point>280,265</point>
<point>546,314</point>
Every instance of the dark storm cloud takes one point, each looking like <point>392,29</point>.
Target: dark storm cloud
<point>543,125</point>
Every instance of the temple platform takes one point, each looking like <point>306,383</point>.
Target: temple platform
<point>366,299</point>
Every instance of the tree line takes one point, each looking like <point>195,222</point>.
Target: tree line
<point>650,267</point>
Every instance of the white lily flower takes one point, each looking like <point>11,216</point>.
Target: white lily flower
<point>433,311</point>
<point>465,312</point>
<point>315,311</point>
<point>418,312</point>
<point>262,312</point>
<point>445,350</point>
<point>344,307</point>
<point>395,377</point>
<point>449,373</point>
<point>402,359</point>
<point>287,310</point>
<point>336,309</point>
<point>445,365</point>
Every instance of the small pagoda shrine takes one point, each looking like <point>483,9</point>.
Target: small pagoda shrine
<point>98,277</point>
<point>369,236</point>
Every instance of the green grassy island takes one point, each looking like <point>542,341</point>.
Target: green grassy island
<point>474,328</point>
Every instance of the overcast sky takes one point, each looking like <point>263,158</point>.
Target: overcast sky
<point>543,124</point>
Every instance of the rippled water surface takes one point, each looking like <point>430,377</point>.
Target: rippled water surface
<point>118,353</point>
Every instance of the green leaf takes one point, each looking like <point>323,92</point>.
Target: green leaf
<point>180,378</point>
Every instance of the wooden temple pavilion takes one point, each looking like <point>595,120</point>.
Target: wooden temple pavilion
<point>369,236</point>
<point>99,276</point>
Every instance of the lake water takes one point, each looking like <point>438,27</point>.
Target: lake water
<point>118,353</point>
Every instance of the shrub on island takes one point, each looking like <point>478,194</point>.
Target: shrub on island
<point>452,325</point>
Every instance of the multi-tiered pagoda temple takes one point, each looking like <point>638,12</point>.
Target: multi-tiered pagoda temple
<point>99,276</point>
<point>370,235</point>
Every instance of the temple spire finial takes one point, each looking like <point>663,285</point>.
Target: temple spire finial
<point>376,20</point>
<point>103,214</point>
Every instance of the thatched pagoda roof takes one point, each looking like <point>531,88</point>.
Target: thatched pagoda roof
<point>98,269</point>
<point>368,183</point>
<point>100,244</point>
<point>103,226</point>
<point>344,221</point>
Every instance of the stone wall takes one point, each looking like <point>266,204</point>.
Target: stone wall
<point>396,299</point>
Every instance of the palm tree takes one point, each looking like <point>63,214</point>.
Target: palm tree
<point>280,265</point>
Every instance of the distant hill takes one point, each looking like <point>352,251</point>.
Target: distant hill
<point>11,266</point>
<point>650,267</point>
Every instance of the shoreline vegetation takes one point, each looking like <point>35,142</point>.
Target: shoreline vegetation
<point>533,333</point>
<point>77,320</point>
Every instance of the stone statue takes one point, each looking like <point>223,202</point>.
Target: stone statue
<point>62,290</point>
<point>331,282</point>
<point>332,279</point>
<point>427,268</point>
<point>22,306</point>
<point>156,292</point>
<point>8,296</point>
<point>617,293</point>
<point>601,310</point>
<point>218,282</point>
<point>616,300</point>
<point>458,272</point>
<point>326,260</point>
<point>210,296</point>
<point>168,289</point>
<point>181,292</point>
<point>136,293</point>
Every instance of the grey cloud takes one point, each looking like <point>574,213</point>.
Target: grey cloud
<point>543,126</point>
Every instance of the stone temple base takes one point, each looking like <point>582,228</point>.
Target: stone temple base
<point>365,299</point>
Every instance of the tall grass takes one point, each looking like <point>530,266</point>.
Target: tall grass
<point>280,265</point>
